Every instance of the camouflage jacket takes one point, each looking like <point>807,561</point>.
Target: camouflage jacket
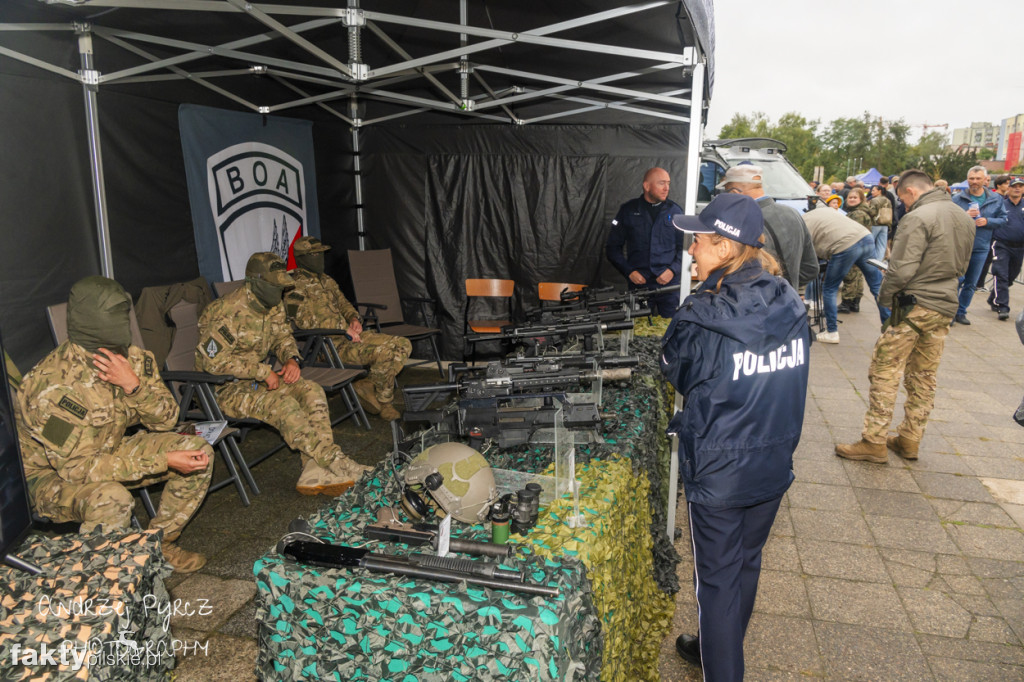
<point>71,421</point>
<point>235,337</point>
<point>316,302</point>
<point>863,214</point>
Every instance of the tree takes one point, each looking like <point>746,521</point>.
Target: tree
<point>796,132</point>
<point>951,165</point>
<point>986,154</point>
<point>930,145</point>
<point>755,125</point>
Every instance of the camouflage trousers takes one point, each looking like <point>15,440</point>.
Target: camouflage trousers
<point>298,411</point>
<point>109,504</point>
<point>901,350</point>
<point>384,354</point>
<point>853,285</point>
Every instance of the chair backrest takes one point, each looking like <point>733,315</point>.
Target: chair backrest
<point>182,356</point>
<point>490,287</point>
<point>373,281</point>
<point>222,289</point>
<point>552,291</point>
<point>57,316</point>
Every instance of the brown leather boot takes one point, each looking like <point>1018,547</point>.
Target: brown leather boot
<point>389,412</point>
<point>182,560</point>
<point>863,451</point>
<point>904,447</point>
<point>367,395</point>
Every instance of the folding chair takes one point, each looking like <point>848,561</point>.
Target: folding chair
<point>375,288</point>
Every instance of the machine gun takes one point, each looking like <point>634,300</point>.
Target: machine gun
<point>542,336</point>
<point>606,366</point>
<point>577,316</point>
<point>608,298</point>
<point>301,546</point>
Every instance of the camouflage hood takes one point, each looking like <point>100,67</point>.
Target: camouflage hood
<point>98,310</point>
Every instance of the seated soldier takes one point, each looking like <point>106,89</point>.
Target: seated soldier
<point>72,411</point>
<point>316,302</point>
<point>236,334</point>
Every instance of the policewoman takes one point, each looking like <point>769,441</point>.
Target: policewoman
<point>738,352</point>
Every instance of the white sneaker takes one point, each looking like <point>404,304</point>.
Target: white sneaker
<point>828,337</point>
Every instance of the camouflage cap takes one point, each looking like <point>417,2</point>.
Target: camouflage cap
<point>304,245</point>
<point>270,268</point>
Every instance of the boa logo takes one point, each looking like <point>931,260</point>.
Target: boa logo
<point>258,201</point>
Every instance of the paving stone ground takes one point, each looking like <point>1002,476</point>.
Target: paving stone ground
<point>909,571</point>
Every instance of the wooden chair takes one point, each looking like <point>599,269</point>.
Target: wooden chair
<point>375,288</point>
<point>487,288</point>
<point>551,292</point>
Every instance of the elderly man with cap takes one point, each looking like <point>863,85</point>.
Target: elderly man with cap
<point>654,249</point>
<point>786,235</point>
<point>1007,249</point>
<point>236,334</point>
<point>316,302</point>
<point>733,349</point>
<point>72,412</point>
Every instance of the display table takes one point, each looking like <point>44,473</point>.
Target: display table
<point>616,577</point>
<point>96,612</point>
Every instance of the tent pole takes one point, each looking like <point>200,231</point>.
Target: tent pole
<point>695,142</point>
<point>357,171</point>
<point>90,86</point>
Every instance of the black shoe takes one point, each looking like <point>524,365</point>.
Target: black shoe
<point>688,647</point>
<point>961,319</point>
<point>1004,314</point>
<point>844,307</point>
<point>855,305</point>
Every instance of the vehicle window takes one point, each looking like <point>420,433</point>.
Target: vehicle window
<point>710,175</point>
<point>781,181</point>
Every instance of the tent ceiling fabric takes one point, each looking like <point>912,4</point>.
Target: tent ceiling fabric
<point>590,61</point>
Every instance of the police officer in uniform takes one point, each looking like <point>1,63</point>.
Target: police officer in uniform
<point>72,412</point>
<point>654,249</point>
<point>738,351</point>
<point>236,334</point>
<point>316,302</point>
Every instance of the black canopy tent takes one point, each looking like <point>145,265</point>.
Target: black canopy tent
<point>473,138</point>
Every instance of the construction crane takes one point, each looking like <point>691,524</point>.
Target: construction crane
<point>925,126</point>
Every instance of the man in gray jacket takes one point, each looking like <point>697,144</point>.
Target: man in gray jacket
<point>930,253</point>
<point>785,235</point>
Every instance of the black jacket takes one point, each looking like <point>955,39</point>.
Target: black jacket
<point>651,246</point>
<point>794,249</point>
<point>740,357</point>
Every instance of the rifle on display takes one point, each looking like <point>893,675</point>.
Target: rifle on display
<point>554,335</point>
<point>609,298</point>
<point>314,552</point>
<point>426,534</point>
<point>530,372</point>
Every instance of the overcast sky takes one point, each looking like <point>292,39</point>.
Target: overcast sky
<point>826,60</point>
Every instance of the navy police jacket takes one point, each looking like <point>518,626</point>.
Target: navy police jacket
<point>650,247</point>
<point>1013,231</point>
<point>740,358</point>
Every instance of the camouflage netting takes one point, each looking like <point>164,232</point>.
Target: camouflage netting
<point>100,593</point>
<point>616,577</point>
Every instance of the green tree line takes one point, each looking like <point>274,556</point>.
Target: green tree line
<point>849,146</point>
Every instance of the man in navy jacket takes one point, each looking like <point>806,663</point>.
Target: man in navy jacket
<point>1007,249</point>
<point>654,248</point>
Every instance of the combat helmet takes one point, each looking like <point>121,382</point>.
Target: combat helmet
<point>457,477</point>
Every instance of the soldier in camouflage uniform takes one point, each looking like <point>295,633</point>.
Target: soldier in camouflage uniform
<point>316,302</point>
<point>236,334</point>
<point>72,411</point>
<point>857,208</point>
<point>930,252</point>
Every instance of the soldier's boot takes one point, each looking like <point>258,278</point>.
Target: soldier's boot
<point>863,451</point>
<point>845,306</point>
<point>182,560</point>
<point>389,412</point>
<point>316,480</point>
<point>855,305</point>
<point>367,395</point>
<point>904,447</point>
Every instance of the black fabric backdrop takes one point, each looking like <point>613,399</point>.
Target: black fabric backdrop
<point>529,203</point>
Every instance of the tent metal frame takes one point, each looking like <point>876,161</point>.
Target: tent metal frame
<point>351,80</point>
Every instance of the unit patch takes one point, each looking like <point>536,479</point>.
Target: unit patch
<point>227,335</point>
<point>56,430</point>
<point>73,407</point>
<point>211,348</point>
<point>147,366</point>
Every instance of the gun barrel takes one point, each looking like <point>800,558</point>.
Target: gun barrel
<point>382,564</point>
<point>431,388</point>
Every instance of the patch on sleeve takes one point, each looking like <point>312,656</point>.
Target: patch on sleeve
<point>57,430</point>
<point>227,335</point>
<point>291,309</point>
<point>296,297</point>
<point>211,348</point>
<point>147,366</point>
<point>72,407</point>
